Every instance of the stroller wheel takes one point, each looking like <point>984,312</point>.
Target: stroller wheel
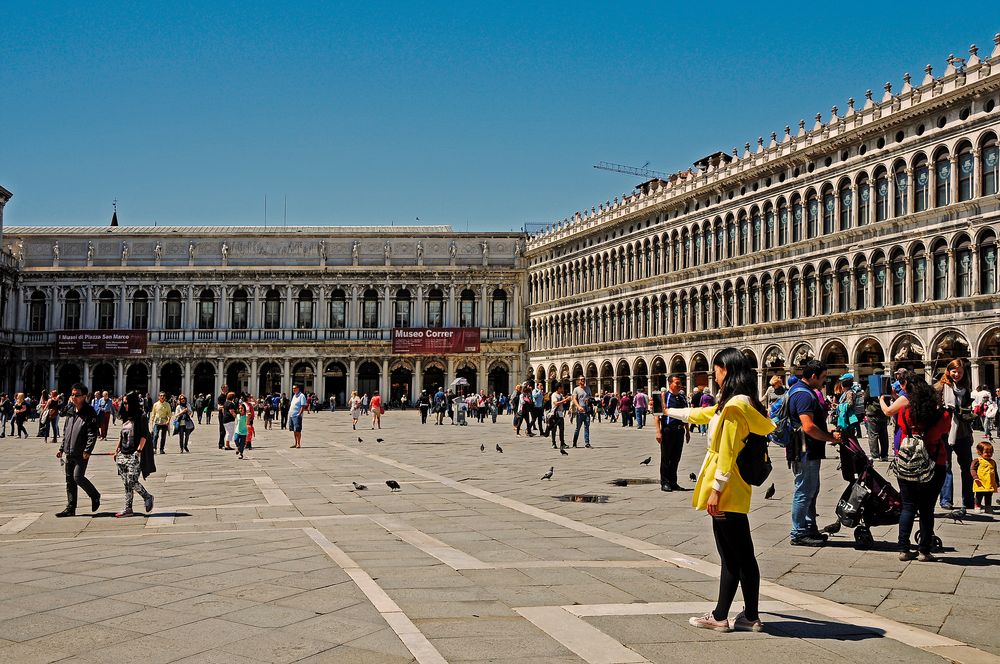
<point>937,545</point>
<point>863,539</point>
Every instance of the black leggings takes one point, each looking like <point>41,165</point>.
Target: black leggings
<point>739,566</point>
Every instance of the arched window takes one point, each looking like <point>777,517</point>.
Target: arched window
<point>753,301</point>
<point>106,310</point>
<point>940,257</point>
<point>720,241</point>
<point>305,307</point>
<point>730,305</point>
<point>240,316</point>
<point>919,273</point>
<point>71,311</point>
<point>744,234</point>
<point>846,204</point>
<point>988,263</point>
<point>499,317</point>
<point>467,309</point>
<point>899,189</point>
<point>881,195</point>
<point>963,268</point>
<point>826,283</point>
<point>843,288</point>
<point>369,309</point>
<point>782,224</point>
<point>401,308</point>
<point>966,172</point>
<point>140,310</point>
<point>272,309</point>
<point>942,180</point>
<point>860,285</point>
<point>731,238</point>
<point>795,294</point>
<point>435,308</point>
<point>37,310</point>
<point>809,283</point>
<point>706,243</point>
<point>338,309</point>
<point>898,268</point>
<point>685,249</point>
<point>766,297</point>
<point>757,230</point>
<point>829,210</point>
<point>741,304</point>
<point>990,167</point>
<point>921,185</point>
<point>206,310</point>
<point>880,274</point>
<point>780,297</point>
<point>173,308</point>
<point>797,220</point>
<point>864,201</point>
<point>768,228</point>
<point>717,309</point>
<point>812,216</point>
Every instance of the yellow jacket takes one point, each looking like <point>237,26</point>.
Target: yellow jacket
<point>984,476</point>
<point>727,434</point>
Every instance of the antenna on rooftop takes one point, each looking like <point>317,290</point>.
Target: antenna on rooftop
<point>631,170</point>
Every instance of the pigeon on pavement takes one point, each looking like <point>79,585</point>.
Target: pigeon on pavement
<point>482,448</point>
<point>645,462</point>
<point>548,475</point>
<point>359,487</point>
<point>380,440</point>
<point>769,494</point>
<point>693,477</point>
<point>360,440</point>
<point>499,449</point>
<point>392,484</point>
<point>563,452</point>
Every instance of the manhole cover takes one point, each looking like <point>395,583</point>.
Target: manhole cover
<point>634,480</point>
<point>582,498</point>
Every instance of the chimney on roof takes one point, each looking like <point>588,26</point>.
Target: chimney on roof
<point>114,216</point>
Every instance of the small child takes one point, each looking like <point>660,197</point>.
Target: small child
<point>984,473</point>
<point>240,436</point>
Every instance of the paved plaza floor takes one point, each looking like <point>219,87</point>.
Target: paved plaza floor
<point>277,558</point>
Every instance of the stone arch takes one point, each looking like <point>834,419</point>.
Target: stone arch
<point>907,351</point>
<point>624,375</point>
<point>700,371</point>
<point>640,375</point>
<point>869,358</point>
<point>658,373</point>
<point>988,354</point>
<point>137,378</point>
<point>948,345</point>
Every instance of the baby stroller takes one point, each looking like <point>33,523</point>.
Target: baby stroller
<point>869,500</point>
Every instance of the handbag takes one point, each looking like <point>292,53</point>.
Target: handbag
<point>913,463</point>
<point>851,503</point>
<point>753,461</point>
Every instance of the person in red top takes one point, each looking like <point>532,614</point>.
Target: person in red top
<point>376,408</point>
<point>923,416</point>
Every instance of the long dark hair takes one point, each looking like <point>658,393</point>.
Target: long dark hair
<point>925,407</point>
<point>133,409</point>
<point>740,378</point>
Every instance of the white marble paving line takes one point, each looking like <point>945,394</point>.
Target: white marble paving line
<point>183,477</point>
<point>272,492</point>
<point>18,522</point>
<point>142,533</point>
<point>17,467</point>
<point>897,631</point>
<point>659,608</point>
<point>449,555</point>
<point>412,638</point>
<point>589,643</point>
<point>160,520</point>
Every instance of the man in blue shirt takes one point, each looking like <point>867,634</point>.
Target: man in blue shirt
<point>296,406</point>
<point>537,410</point>
<point>671,434</point>
<point>807,450</point>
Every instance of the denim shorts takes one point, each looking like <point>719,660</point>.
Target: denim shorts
<point>295,423</point>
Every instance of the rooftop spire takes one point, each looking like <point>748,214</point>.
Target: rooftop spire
<point>114,216</point>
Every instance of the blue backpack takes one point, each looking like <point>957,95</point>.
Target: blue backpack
<point>786,432</point>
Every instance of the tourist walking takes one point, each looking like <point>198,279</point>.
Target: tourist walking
<point>849,398</point>
<point>672,434</point>
<point>899,402</point>
<point>105,408</point>
<point>221,405</point>
<point>20,414</point>
<point>128,455</point>
<point>806,452</point>
<point>161,422</point>
<point>925,421</point>
<point>296,406</point>
<point>241,430</point>
<point>354,404</point>
<point>228,418</point>
<point>376,408</point>
<point>877,425</point>
<point>79,438</point>
<point>984,470</point>
<point>557,415</point>
<point>775,391</point>
<point>625,408</point>
<point>6,415</point>
<point>207,407</point>
<point>184,422</point>
<point>640,402</point>
<point>583,404</point>
<point>724,494</point>
<point>50,413</point>
<point>423,405</point>
<point>955,394</point>
<point>537,409</point>
<point>286,405</point>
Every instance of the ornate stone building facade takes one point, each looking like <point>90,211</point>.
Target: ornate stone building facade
<point>868,240</point>
<point>259,308</point>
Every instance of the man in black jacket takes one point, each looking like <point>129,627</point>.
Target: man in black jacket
<point>79,438</point>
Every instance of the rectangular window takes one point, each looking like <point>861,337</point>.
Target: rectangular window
<point>860,285</point>
<point>206,315</point>
<point>881,199</point>
<point>921,189</point>
<point>797,223</point>
<point>846,201</point>
<point>338,314</point>
<point>240,318</point>
<point>467,313</point>
<point>304,315</point>
<point>812,219</point>
<point>900,193</point>
<point>988,269</point>
<point>942,182</point>
<point>864,204</point>
<point>172,321</point>
<point>898,282</point>
<point>369,314</point>
<point>744,233</point>
<point>878,300</point>
<point>844,294</point>
<point>105,315</point>
<point>940,276</point>
<point>402,318</point>
<point>829,210</point>
<point>783,227</point>
<point>435,313</point>
<point>499,313</point>
<point>36,319</point>
<point>919,277</point>
<point>991,170</point>
<point>272,314</point>
<point>811,296</point>
<point>966,170</point>
<point>963,273</point>
<point>827,286</point>
<point>140,314</point>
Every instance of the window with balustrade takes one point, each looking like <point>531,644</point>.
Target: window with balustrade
<point>369,309</point>
<point>401,309</point>
<point>499,313</point>
<point>305,308</point>
<point>172,309</point>
<point>140,310</point>
<point>106,310</point>
<point>37,310</point>
<point>272,309</point>
<point>206,310</point>
<point>239,318</point>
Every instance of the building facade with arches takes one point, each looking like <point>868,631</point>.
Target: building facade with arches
<point>868,241</point>
<point>260,309</point>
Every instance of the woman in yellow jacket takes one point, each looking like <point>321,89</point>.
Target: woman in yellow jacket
<point>723,493</point>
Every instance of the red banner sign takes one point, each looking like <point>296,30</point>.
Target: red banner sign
<point>435,340</point>
<point>101,342</point>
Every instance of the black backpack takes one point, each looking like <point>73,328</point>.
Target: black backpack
<point>753,461</point>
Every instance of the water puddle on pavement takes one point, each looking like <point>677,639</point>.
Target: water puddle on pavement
<point>582,498</point>
<point>630,482</point>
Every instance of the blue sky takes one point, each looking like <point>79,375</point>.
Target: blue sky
<point>486,115</point>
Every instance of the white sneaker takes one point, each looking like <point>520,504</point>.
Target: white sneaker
<point>708,621</point>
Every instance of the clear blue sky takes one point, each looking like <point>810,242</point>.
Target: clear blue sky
<point>371,112</point>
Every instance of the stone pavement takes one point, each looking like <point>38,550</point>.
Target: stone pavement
<point>278,559</point>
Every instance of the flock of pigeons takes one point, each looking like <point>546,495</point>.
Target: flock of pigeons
<point>394,485</point>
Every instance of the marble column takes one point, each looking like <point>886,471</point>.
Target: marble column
<point>154,377</point>
<point>351,374</point>
<point>450,377</point>
<point>287,316</point>
<point>191,319</point>
<point>220,374</point>
<point>188,384</point>
<point>384,381</point>
<point>120,377</point>
<point>450,317</point>
<point>483,317</point>
<point>254,379</point>
<point>418,315</point>
<point>286,377</point>
<point>222,320</point>
<point>123,322</point>
<point>418,377</point>
<point>52,376</point>
<point>157,312</point>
